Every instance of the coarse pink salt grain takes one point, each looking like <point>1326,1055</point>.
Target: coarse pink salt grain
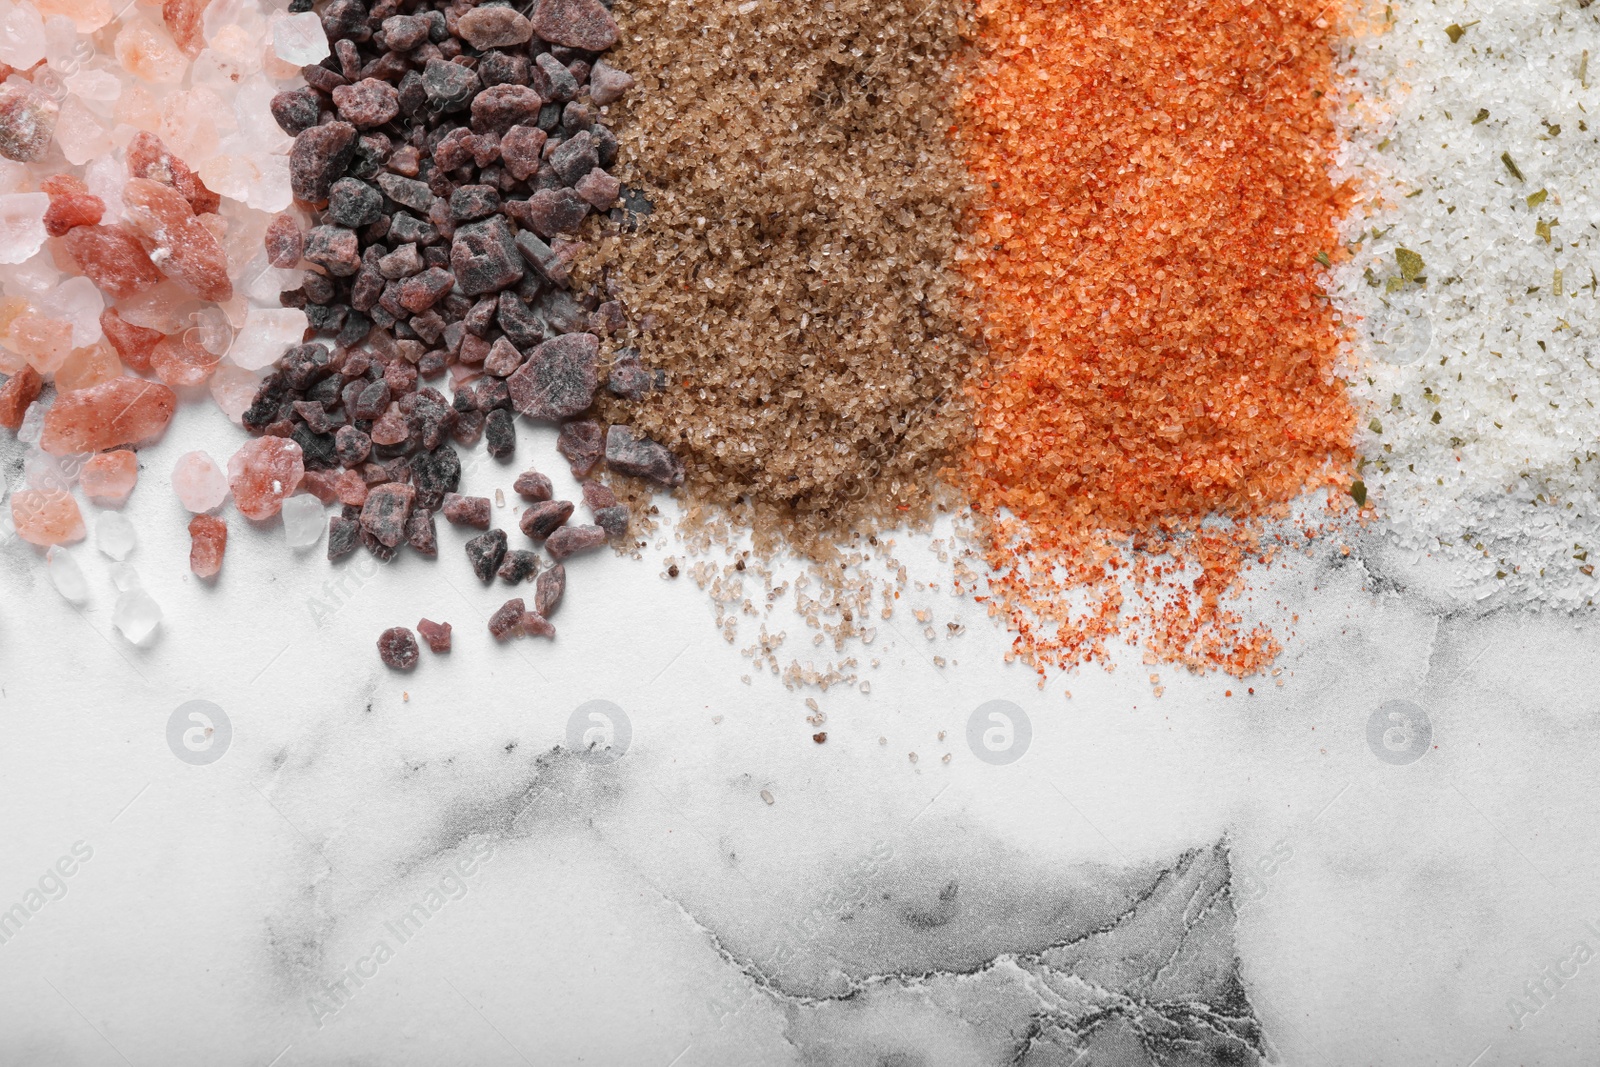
<point>262,473</point>
<point>109,477</point>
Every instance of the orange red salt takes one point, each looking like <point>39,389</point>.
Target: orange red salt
<point>1154,194</point>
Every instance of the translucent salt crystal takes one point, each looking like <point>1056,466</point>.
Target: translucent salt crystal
<point>234,389</point>
<point>199,482</point>
<point>105,177</point>
<point>78,301</point>
<point>89,83</point>
<point>268,333</point>
<point>252,109</point>
<point>32,424</point>
<point>125,578</point>
<point>221,16</point>
<point>303,520</point>
<point>41,470</point>
<point>21,224</point>
<point>229,176</point>
<point>240,47</point>
<point>300,39</point>
<point>146,50</point>
<point>66,575</point>
<point>272,191</point>
<point>22,40</point>
<point>137,615</point>
<point>80,135</point>
<point>87,15</point>
<point>263,282</point>
<point>210,331</point>
<point>114,535</point>
<point>60,43</point>
<point>31,279</point>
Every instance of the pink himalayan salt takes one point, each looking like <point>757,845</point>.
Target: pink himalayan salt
<point>208,540</point>
<point>20,390</point>
<point>199,482</point>
<point>47,516</point>
<point>262,473</point>
<point>181,362</point>
<point>123,411</point>
<point>109,477</point>
<point>88,367</point>
<point>185,250</point>
<point>43,341</point>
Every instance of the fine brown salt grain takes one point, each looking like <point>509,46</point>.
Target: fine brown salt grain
<point>794,277</point>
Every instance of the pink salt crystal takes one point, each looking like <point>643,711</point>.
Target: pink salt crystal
<point>47,516</point>
<point>149,158</point>
<point>208,540</point>
<point>147,51</point>
<point>71,204</point>
<point>43,341</point>
<point>88,367</point>
<point>262,473</point>
<point>185,250</point>
<point>199,482</point>
<point>123,411</point>
<point>180,362</point>
<point>109,477</point>
<point>113,258</point>
<point>20,390</point>
<point>133,343</point>
<point>183,19</point>
<point>437,634</point>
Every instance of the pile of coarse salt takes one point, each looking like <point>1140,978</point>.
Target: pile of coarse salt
<point>140,166</point>
<point>1475,280</point>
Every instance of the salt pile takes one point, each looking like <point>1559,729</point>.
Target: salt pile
<point>1476,283</point>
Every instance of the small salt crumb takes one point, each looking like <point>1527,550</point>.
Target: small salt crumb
<point>767,796</point>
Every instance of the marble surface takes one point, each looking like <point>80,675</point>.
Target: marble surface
<point>1386,859</point>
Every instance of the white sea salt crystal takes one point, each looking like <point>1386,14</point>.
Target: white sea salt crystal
<point>137,615</point>
<point>267,334</point>
<point>272,191</point>
<point>94,84</point>
<point>22,39</point>
<point>303,520</point>
<point>1497,501</point>
<point>114,535</point>
<point>66,575</point>
<point>125,578</point>
<point>31,279</point>
<point>22,225</point>
<point>32,424</point>
<point>299,39</point>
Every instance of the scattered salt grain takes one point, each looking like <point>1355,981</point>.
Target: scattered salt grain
<point>137,615</point>
<point>199,482</point>
<point>303,520</point>
<point>114,535</point>
<point>66,575</point>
